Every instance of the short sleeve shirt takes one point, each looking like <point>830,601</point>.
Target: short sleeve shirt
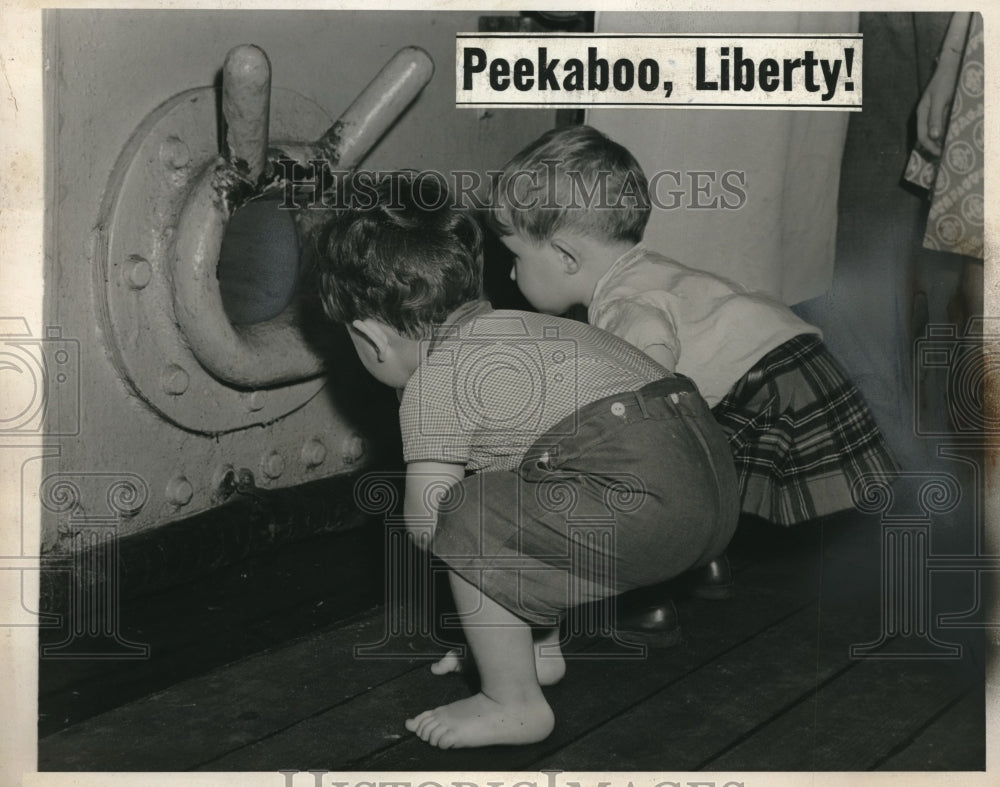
<point>715,329</point>
<point>499,380</point>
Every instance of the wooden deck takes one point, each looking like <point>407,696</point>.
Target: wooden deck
<point>765,681</point>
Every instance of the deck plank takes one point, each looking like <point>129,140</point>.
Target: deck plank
<point>596,689</point>
<point>894,698</point>
<point>287,706</point>
<point>684,725</point>
<point>311,705</point>
<point>227,708</point>
<point>245,608</point>
<point>955,741</point>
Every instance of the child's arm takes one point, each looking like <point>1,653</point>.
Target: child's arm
<point>426,484</point>
<point>662,355</point>
<point>645,325</point>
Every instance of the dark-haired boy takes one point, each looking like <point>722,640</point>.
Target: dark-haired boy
<point>550,463</point>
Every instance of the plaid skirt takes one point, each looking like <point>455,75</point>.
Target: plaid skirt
<point>801,434</point>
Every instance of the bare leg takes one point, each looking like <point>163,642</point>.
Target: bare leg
<point>967,300</point>
<point>510,707</point>
<point>972,287</point>
<point>550,666</point>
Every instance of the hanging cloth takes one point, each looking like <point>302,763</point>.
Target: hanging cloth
<point>955,180</point>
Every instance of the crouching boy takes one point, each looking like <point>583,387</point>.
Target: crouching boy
<point>548,463</point>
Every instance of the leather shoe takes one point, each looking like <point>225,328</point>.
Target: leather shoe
<point>714,581</point>
<point>656,625</point>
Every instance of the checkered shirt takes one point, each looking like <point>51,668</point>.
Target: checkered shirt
<point>496,381</point>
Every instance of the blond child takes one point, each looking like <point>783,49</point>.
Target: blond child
<point>800,432</point>
<point>572,207</point>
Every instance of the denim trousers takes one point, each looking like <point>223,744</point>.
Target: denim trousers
<point>628,491</point>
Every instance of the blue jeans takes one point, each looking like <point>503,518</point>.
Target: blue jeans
<point>638,489</point>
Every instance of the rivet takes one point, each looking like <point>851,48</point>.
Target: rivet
<point>354,448</point>
<point>175,380</point>
<point>138,272</point>
<point>313,452</point>
<point>255,400</point>
<point>179,491</point>
<point>273,465</point>
<point>174,153</point>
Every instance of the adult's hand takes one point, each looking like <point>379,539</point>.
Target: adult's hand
<point>932,110</point>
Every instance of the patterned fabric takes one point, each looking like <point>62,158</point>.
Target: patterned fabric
<point>496,380</point>
<point>801,434</point>
<point>955,182</point>
<point>714,329</point>
<point>635,489</point>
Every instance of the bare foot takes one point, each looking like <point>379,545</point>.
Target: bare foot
<point>452,661</point>
<point>481,721</point>
<point>550,666</point>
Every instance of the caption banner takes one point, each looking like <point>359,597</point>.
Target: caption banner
<point>565,70</point>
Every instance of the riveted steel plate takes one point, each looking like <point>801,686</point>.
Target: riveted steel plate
<point>134,271</point>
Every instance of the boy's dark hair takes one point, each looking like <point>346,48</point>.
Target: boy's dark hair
<point>401,253</point>
<point>572,178</point>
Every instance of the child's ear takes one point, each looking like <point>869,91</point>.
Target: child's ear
<point>568,255</point>
<point>372,332</point>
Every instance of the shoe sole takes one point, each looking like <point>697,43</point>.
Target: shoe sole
<point>652,639</point>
